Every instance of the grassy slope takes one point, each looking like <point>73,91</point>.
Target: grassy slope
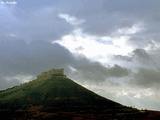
<point>62,91</point>
<point>49,91</point>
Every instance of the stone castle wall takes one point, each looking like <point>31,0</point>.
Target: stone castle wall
<point>52,73</point>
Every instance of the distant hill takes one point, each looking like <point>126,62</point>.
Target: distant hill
<point>54,96</point>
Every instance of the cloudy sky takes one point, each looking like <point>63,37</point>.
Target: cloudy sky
<point>109,46</point>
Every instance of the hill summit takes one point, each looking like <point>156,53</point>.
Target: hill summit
<point>51,88</point>
<point>52,73</point>
<point>54,96</point>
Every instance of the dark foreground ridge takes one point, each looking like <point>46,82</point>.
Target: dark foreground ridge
<point>53,96</point>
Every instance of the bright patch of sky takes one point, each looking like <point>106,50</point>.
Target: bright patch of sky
<point>97,48</point>
<point>94,47</point>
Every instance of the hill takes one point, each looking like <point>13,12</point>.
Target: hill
<point>54,96</point>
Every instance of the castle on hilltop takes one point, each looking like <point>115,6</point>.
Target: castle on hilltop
<point>52,73</point>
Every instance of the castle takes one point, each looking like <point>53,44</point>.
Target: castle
<point>52,73</point>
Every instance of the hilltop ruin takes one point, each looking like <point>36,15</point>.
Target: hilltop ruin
<point>52,73</point>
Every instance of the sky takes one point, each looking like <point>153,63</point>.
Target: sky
<point>111,47</point>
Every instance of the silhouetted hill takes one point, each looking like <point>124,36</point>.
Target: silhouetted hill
<point>54,96</point>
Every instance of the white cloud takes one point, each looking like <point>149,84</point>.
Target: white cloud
<point>131,30</point>
<point>72,69</point>
<point>127,95</point>
<point>152,45</point>
<point>71,19</point>
<point>98,48</point>
<point>136,93</point>
<point>20,78</point>
<point>95,48</point>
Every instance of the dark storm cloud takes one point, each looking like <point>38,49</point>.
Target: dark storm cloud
<point>145,68</point>
<point>95,72</point>
<point>106,16</point>
<point>19,56</point>
<point>147,75</point>
<point>147,78</point>
<point>101,18</point>
<point>41,23</point>
<point>19,59</point>
<point>140,58</point>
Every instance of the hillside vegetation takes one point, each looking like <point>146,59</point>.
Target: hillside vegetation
<point>54,96</point>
